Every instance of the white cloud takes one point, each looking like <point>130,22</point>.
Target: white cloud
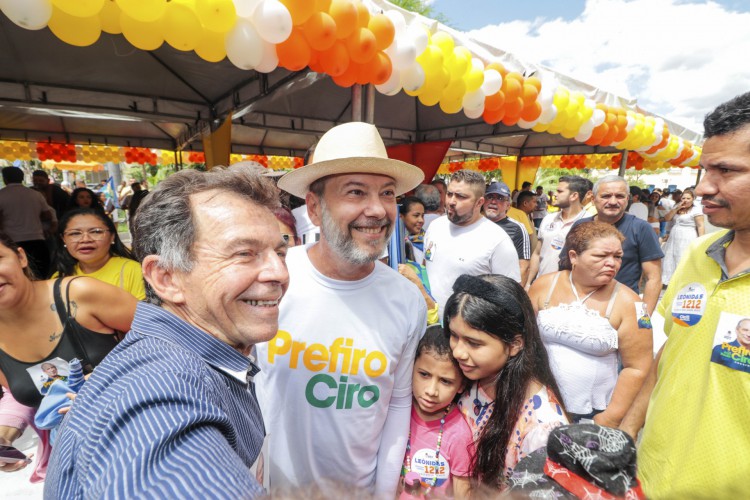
<point>680,60</point>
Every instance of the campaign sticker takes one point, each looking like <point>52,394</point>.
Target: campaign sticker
<point>558,241</point>
<point>689,305</point>
<point>429,252</point>
<point>641,312</point>
<point>47,373</point>
<point>732,342</point>
<point>430,468</point>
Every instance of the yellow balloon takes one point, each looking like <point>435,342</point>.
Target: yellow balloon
<point>145,11</point>
<point>182,28</point>
<point>444,41</point>
<point>454,91</point>
<point>474,79</point>
<point>78,31</point>
<point>211,47</point>
<point>145,36</point>
<point>429,98</point>
<point>216,15</point>
<point>79,8</point>
<point>450,107</point>
<point>431,59</point>
<point>109,17</point>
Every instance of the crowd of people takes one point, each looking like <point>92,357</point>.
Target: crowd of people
<point>237,349</point>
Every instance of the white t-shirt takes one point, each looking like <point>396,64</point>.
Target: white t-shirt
<point>639,209</point>
<point>552,233</point>
<point>428,218</point>
<point>480,248</point>
<point>343,354</point>
<point>20,211</point>
<point>307,232</point>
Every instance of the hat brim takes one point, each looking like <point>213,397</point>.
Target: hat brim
<point>406,175</point>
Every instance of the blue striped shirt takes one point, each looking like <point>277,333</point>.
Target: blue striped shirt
<point>167,414</point>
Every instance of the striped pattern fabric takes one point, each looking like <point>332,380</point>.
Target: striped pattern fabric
<point>169,413</point>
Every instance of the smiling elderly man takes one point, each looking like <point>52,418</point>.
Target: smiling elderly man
<point>335,385</point>
<point>171,412</point>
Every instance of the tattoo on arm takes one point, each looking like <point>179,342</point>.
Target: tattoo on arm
<point>55,336</point>
<point>73,308</point>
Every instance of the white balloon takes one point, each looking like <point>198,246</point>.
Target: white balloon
<point>472,100</point>
<point>418,35</point>
<point>548,114</point>
<point>492,82</point>
<point>546,97</point>
<point>598,117</point>
<point>412,77</point>
<point>475,112</point>
<point>586,127</point>
<point>245,8</point>
<point>631,123</point>
<point>392,86</point>
<point>269,61</point>
<point>402,53</point>
<point>397,18</point>
<point>527,125</point>
<point>583,136</point>
<point>244,45</point>
<point>29,14</point>
<point>477,63</point>
<point>273,21</point>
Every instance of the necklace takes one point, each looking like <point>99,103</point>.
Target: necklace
<point>575,292</point>
<point>407,465</point>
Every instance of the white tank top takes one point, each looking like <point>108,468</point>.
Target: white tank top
<point>582,347</point>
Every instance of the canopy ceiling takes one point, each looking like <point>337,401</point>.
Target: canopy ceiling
<point>112,93</point>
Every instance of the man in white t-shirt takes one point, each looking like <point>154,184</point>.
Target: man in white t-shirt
<point>465,242</point>
<point>571,189</point>
<point>335,382</point>
<point>540,211</point>
<point>637,207</point>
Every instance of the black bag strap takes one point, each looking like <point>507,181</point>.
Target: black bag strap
<point>71,324</point>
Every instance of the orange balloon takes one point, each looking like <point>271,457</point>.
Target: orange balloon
<point>361,45</point>
<point>512,88</point>
<point>301,10</point>
<point>529,93</point>
<point>320,31</point>
<point>363,15</point>
<point>347,78</point>
<point>510,120</point>
<point>383,29</point>
<point>535,82</point>
<point>513,107</point>
<point>494,102</point>
<point>531,113</point>
<point>598,134</point>
<point>315,64</point>
<point>378,70</point>
<point>610,136</point>
<point>294,53</point>
<point>345,14</point>
<point>322,5</point>
<point>335,60</point>
<point>493,116</point>
<point>497,67</point>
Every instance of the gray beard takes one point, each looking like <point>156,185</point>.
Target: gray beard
<point>343,245</point>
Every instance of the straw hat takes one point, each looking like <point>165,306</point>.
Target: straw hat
<point>351,148</point>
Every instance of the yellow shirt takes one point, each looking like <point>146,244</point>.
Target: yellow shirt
<point>696,441</point>
<point>122,273</point>
<point>519,215</point>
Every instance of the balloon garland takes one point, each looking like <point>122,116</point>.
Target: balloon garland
<point>347,41</point>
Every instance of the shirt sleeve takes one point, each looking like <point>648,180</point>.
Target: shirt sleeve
<point>649,248</point>
<point>504,260</point>
<point>162,439</point>
<point>396,428</point>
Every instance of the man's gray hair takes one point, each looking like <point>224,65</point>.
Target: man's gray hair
<point>429,195</point>
<point>474,179</point>
<point>164,224</point>
<point>607,179</point>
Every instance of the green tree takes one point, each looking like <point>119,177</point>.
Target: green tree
<point>420,7</point>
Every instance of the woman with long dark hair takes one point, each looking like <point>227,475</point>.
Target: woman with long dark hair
<point>412,213</point>
<point>89,246</point>
<point>494,338</point>
<point>83,197</point>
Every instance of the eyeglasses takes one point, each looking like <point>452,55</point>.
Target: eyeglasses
<point>95,234</point>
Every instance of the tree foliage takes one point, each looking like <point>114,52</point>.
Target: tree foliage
<point>420,7</point>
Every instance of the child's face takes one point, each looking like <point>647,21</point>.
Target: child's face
<point>435,382</point>
<point>480,355</point>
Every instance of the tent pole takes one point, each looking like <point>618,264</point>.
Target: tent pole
<point>357,102</point>
<point>698,177</point>
<point>623,163</point>
<point>370,104</point>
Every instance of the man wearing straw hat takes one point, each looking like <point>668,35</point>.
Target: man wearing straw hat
<point>335,383</point>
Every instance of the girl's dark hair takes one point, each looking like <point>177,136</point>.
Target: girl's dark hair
<point>438,344</point>
<point>407,202</point>
<point>7,242</point>
<point>95,201</point>
<point>64,262</point>
<point>499,306</point>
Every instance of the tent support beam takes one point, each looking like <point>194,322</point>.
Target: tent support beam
<point>370,103</point>
<point>623,163</point>
<point>356,102</point>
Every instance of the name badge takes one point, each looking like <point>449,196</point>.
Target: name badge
<point>430,468</point>
<point>689,305</point>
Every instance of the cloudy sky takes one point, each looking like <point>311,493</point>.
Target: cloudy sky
<point>679,58</point>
